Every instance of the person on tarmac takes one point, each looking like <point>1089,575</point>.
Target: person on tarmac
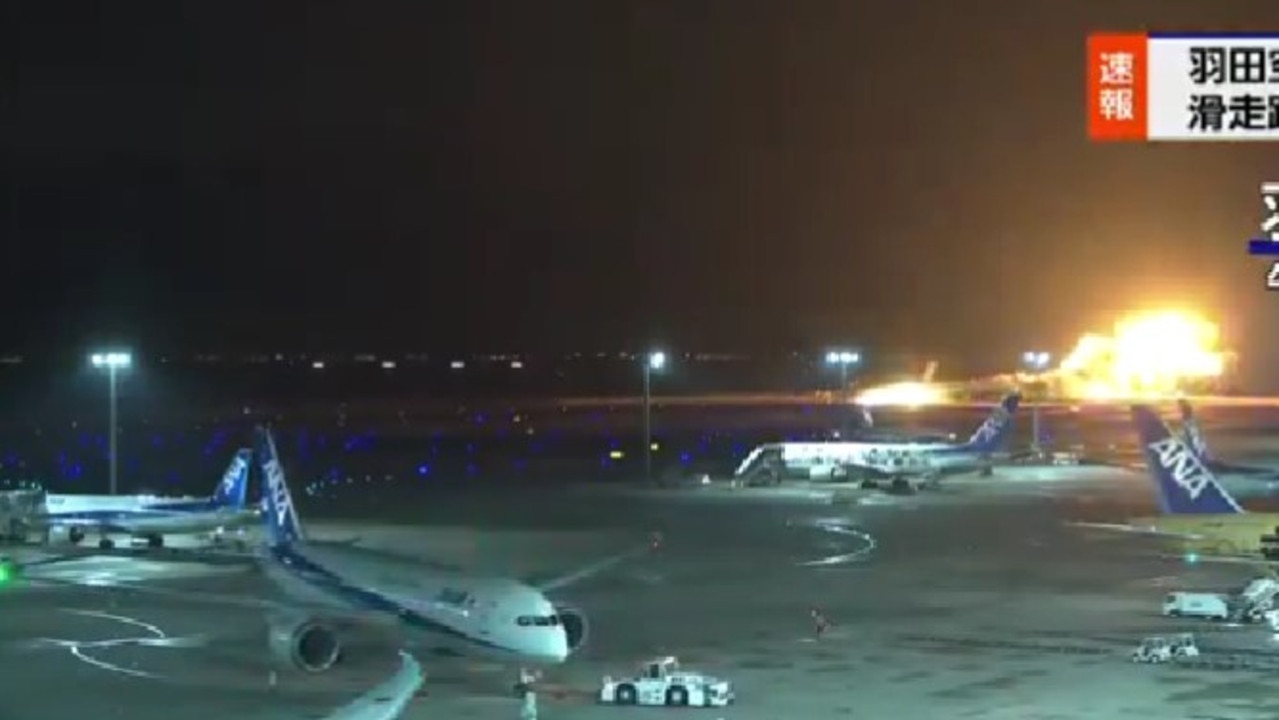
<point>820,623</point>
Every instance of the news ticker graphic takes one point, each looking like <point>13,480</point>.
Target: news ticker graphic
<point>1267,244</point>
<point>1183,86</point>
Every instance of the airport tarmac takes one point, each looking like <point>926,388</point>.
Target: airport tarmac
<point>103,652</point>
<point>971,602</point>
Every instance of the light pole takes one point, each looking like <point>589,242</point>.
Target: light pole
<point>1035,361</point>
<point>843,359</point>
<point>653,361</point>
<point>112,363</point>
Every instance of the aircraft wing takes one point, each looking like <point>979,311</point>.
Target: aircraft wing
<point>388,700</point>
<point>30,571</point>
<point>1135,530</point>
<point>587,571</point>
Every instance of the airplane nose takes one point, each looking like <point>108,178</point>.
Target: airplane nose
<point>560,649</point>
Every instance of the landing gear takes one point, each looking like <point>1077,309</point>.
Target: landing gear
<point>106,544</point>
<point>902,486</point>
<point>155,542</point>
<point>75,535</point>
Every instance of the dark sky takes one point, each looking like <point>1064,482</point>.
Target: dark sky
<point>737,174</point>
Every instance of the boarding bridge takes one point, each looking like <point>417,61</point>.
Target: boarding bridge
<point>762,466</point>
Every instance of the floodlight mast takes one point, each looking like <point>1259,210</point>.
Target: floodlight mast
<point>843,359</point>
<point>1035,361</point>
<point>654,361</point>
<point>113,363</point>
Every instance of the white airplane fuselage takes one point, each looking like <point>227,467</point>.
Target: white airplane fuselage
<point>829,460</point>
<point>141,514</point>
<point>443,610</point>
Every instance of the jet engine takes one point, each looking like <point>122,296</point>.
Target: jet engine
<point>576,628</point>
<point>305,644</point>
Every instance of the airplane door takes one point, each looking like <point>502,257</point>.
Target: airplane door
<point>483,612</point>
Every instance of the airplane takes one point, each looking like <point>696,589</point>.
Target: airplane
<point>897,461</point>
<point>1197,509</point>
<point>454,612</point>
<point>148,517</point>
<point>1192,436</point>
<point>867,432</point>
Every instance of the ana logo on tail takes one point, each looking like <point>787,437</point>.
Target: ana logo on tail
<point>993,425</point>
<point>233,474</point>
<point>1196,439</point>
<point>1182,466</point>
<point>279,493</point>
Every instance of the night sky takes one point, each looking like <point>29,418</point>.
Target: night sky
<point>738,174</point>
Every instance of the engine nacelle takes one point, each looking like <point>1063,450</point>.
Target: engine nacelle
<point>305,644</point>
<point>576,627</point>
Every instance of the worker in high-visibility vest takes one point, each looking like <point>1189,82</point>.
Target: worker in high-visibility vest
<point>528,694</point>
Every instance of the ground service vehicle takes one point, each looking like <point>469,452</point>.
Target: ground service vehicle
<point>1161,649</point>
<point>662,682</point>
<point>1213,606</point>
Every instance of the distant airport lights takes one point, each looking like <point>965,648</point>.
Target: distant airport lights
<point>654,361</point>
<point>113,363</point>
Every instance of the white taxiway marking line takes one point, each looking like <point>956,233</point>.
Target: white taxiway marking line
<point>156,638</point>
<point>842,528</point>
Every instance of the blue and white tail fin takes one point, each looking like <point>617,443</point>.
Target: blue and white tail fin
<point>1190,432</point>
<point>233,488</point>
<point>282,524</point>
<point>1184,484</point>
<point>992,433</point>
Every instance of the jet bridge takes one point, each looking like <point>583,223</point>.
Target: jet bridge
<point>762,466</point>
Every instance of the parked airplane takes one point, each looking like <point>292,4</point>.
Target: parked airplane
<point>897,461</point>
<point>1192,436</point>
<point>150,517</point>
<point>448,610</point>
<point>1197,510</point>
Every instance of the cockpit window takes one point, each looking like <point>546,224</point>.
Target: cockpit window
<point>538,620</point>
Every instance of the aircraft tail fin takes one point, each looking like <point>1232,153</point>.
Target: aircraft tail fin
<point>233,488</point>
<point>929,371</point>
<point>283,527</point>
<point>1184,484</point>
<point>992,433</point>
<point>1191,434</point>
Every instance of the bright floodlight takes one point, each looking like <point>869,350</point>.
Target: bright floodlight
<point>842,357</point>
<point>111,360</point>
<point>1037,360</point>
<point>657,360</point>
